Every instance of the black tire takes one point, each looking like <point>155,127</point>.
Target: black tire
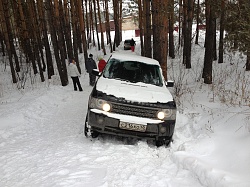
<point>159,143</point>
<point>94,134</point>
<point>86,129</point>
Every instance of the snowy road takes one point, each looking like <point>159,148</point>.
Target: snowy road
<point>44,146</point>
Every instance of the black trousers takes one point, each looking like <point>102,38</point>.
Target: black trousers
<point>76,82</point>
<point>92,78</point>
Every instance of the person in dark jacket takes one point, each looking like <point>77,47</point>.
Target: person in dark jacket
<point>74,74</point>
<point>101,64</point>
<point>90,65</point>
<point>132,44</point>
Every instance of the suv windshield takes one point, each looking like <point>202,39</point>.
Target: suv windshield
<point>133,71</point>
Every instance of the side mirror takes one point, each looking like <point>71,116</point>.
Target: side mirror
<point>96,72</point>
<point>170,83</point>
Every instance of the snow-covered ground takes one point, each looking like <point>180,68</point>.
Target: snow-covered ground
<point>42,144</point>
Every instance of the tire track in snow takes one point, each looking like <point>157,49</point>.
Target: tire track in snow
<point>50,151</point>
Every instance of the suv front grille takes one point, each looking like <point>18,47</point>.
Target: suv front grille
<point>132,110</point>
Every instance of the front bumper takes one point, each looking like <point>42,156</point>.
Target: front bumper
<point>103,123</point>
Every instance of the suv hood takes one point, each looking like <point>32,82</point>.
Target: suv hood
<point>139,92</point>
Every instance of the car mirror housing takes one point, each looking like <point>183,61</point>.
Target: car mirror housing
<point>170,83</point>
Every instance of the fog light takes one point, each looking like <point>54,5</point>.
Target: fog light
<point>161,115</point>
<point>163,130</point>
<point>106,107</point>
<point>100,120</point>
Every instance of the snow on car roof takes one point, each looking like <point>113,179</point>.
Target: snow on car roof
<point>134,57</point>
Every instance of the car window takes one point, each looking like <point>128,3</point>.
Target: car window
<point>127,41</point>
<point>133,71</point>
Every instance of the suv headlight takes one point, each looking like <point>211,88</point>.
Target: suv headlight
<point>99,104</point>
<point>165,114</point>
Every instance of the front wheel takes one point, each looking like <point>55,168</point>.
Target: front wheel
<point>88,131</point>
<point>166,142</point>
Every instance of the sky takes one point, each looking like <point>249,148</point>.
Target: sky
<point>42,141</point>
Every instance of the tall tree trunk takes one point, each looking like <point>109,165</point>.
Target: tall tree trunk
<point>36,39</point>
<point>248,62</point>
<point>97,35</point>
<point>171,29</point>
<point>120,20</point>
<point>184,31</point>
<point>6,10</point>
<point>52,23</point>
<point>63,28</point>
<point>188,33</point>
<point>148,28</point>
<point>107,24</point>
<point>50,68</point>
<point>116,22</point>
<point>7,41</point>
<point>87,23</point>
<point>160,33</point>
<point>82,27</point>
<point>74,29</point>
<point>222,28</point>
<point>141,26</point>
<point>197,21</point>
<point>61,43</point>
<point>24,34</point>
<point>180,43</point>
<point>92,22</point>
<point>164,37</point>
<point>101,29</point>
<point>2,42</point>
<point>215,45</point>
<point>156,29</point>
<point>208,61</point>
<point>68,36</point>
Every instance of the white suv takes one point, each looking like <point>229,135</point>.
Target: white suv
<point>131,99</point>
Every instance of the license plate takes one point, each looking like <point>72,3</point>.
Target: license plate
<point>132,126</point>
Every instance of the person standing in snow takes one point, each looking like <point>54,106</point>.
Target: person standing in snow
<point>101,64</point>
<point>132,44</point>
<point>90,65</point>
<point>74,74</point>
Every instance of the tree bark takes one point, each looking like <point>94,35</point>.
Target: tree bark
<point>116,22</point>
<point>7,41</point>
<point>148,28</point>
<point>101,29</point>
<point>68,36</point>
<point>156,29</point>
<point>160,33</point>
<point>141,26</point>
<point>171,29</point>
<point>208,61</point>
<point>82,27</point>
<point>197,21</point>
<point>50,68</point>
<point>248,62</point>
<point>222,28</point>
<point>97,36</point>
<point>52,23</point>
<point>6,11</point>
<point>107,24</point>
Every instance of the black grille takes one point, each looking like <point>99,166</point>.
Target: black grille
<point>132,110</point>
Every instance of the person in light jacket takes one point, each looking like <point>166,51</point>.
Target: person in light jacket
<point>74,74</point>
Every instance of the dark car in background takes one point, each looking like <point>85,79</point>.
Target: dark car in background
<point>127,45</point>
<point>131,99</point>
